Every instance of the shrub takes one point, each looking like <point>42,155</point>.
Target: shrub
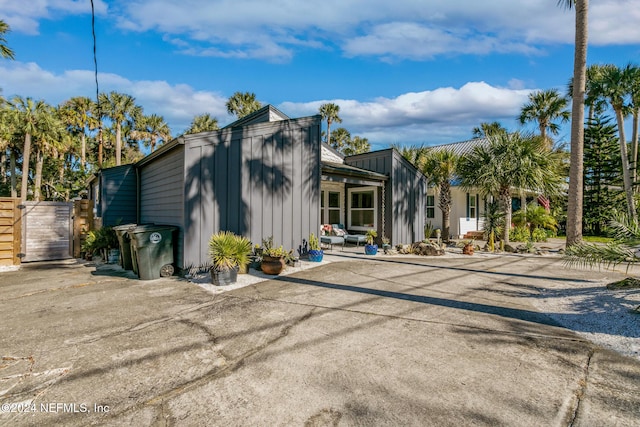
<point>519,234</point>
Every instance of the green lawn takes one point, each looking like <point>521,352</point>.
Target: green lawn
<point>597,239</point>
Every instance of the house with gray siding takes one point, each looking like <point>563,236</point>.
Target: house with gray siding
<point>114,192</point>
<point>269,175</point>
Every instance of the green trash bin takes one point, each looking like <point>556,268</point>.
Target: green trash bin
<point>122,231</point>
<point>152,250</point>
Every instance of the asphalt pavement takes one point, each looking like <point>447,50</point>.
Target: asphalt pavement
<point>396,341</point>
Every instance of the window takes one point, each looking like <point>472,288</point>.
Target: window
<point>363,208</point>
<point>472,205</point>
<point>330,207</point>
<point>431,206</point>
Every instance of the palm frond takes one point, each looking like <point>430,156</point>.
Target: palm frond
<point>591,255</point>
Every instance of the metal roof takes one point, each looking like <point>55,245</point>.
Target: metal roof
<point>463,147</point>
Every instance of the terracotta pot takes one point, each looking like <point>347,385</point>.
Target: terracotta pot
<point>272,265</point>
<point>468,249</point>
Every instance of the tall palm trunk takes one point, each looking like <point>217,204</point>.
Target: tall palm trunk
<point>118,143</point>
<point>3,166</point>
<point>38,176</point>
<point>634,150</point>
<point>505,200</point>
<point>626,176</point>
<point>83,151</point>
<point>444,203</point>
<point>26,153</point>
<point>576,190</point>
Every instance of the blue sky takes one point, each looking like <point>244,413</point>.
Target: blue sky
<point>405,72</point>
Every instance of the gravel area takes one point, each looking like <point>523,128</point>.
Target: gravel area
<point>605,317</point>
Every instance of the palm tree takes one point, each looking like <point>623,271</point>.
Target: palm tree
<point>357,145</point>
<point>633,84</point>
<point>5,51</point>
<point>119,107</point>
<point>77,115</point>
<point>487,129</point>
<point>150,129</point>
<point>574,208</point>
<point>31,118</point>
<point>341,138</point>
<point>441,166</point>
<point>614,86</point>
<point>242,104</point>
<point>508,162</point>
<point>545,107</point>
<point>329,112</point>
<point>51,139</point>
<point>203,123</point>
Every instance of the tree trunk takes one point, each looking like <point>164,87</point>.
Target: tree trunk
<point>574,208</point>
<point>626,176</point>
<point>444,203</point>
<point>38,176</point>
<point>26,153</point>
<point>12,165</point>
<point>83,151</point>
<point>118,143</point>
<point>505,199</point>
<point>634,150</point>
<point>3,166</point>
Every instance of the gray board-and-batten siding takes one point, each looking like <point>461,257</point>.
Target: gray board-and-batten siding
<point>405,194</point>
<point>118,195</point>
<point>258,180</point>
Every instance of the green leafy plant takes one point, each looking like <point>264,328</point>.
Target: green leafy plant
<point>385,240</point>
<point>428,230</point>
<point>519,234</point>
<point>371,236</point>
<point>100,241</point>
<point>314,244</point>
<point>278,252</point>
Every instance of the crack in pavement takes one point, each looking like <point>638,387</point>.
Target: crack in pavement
<point>582,387</point>
<point>231,366</point>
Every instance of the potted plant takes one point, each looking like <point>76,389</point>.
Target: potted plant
<point>227,252</point>
<point>386,244</point>
<point>292,260</point>
<point>273,260</point>
<point>371,248</point>
<point>243,251</point>
<point>467,249</point>
<point>315,253</point>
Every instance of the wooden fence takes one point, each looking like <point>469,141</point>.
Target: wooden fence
<point>10,231</point>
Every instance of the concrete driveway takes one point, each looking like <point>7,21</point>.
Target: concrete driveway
<point>394,341</point>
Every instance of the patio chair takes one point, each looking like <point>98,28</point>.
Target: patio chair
<point>331,239</point>
<point>339,229</point>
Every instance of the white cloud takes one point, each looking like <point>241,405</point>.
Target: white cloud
<point>432,116</point>
<point>403,29</point>
<point>178,104</point>
<point>23,16</point>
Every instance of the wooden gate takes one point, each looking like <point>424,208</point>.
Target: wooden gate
<point>47,231</point>
<point>82,223</point>
<point>10,231</point>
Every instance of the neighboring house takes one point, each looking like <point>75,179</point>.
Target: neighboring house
<point>468,206</point>
<point>269,175</point>
<point>114,192</point>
